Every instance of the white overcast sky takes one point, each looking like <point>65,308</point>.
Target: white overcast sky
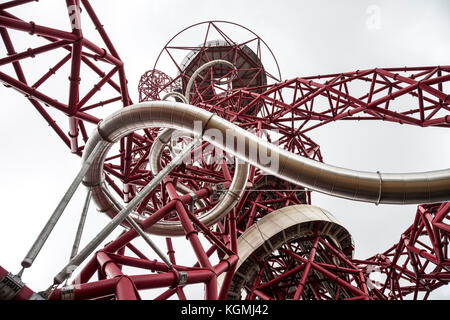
<point>307,38</point>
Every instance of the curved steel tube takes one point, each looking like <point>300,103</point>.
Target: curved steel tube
<point>176,95</point>
<point>197,72</point>
<point>162,139</point>
<point>275,229</point>
<point>390,188</point>
<point>212,216</point>
<point>156,152</point>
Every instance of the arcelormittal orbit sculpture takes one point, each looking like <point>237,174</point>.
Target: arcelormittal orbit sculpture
<point>217,151</point>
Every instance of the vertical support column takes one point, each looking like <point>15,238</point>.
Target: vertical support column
<point>192,236</point>
<point>73,7</point>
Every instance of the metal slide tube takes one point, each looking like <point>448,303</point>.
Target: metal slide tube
<point>175,95</point>
<point>374,187</point>
<point>187,94</point>
<point>232,195</point>
<point>229,200</point>
<point>156,152</point>
<point>123,214</point>
<point>158,146</point>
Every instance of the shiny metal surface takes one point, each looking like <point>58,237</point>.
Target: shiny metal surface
<point>199,70</point>
<point>247,60</point>
<point>226,202</point>
<point>374,187</point>
<point>281,227</point>
<point>210,217</point>
<point>176,95</point>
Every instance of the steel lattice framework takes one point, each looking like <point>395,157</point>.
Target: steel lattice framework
<point>306,253</point>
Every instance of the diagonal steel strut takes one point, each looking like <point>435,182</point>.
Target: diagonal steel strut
<point>121,216</point>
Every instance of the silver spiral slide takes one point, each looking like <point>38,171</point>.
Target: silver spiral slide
<point>210,217</point>
<point>374,187</point>
<point>226,202</point>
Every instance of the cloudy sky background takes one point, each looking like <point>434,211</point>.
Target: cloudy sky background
<point>307,38</point>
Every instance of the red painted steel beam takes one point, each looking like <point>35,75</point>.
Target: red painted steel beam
<point>35,94</point>
<point>21,76</point>
<point>31,53</point>
<point>331,92</point>
<point>14,3</point>
<point>126,289</point>
<point>32,28</point>
<point>24,293</point>
<point>88,271</point>
<point>51,71</point>
<point>330,275</point>
<point>170,279</point>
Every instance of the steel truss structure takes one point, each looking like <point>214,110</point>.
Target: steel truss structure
<point>265,238</point>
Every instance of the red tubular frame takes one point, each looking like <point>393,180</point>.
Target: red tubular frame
<point>419,263</point>
<point>74,42</point>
